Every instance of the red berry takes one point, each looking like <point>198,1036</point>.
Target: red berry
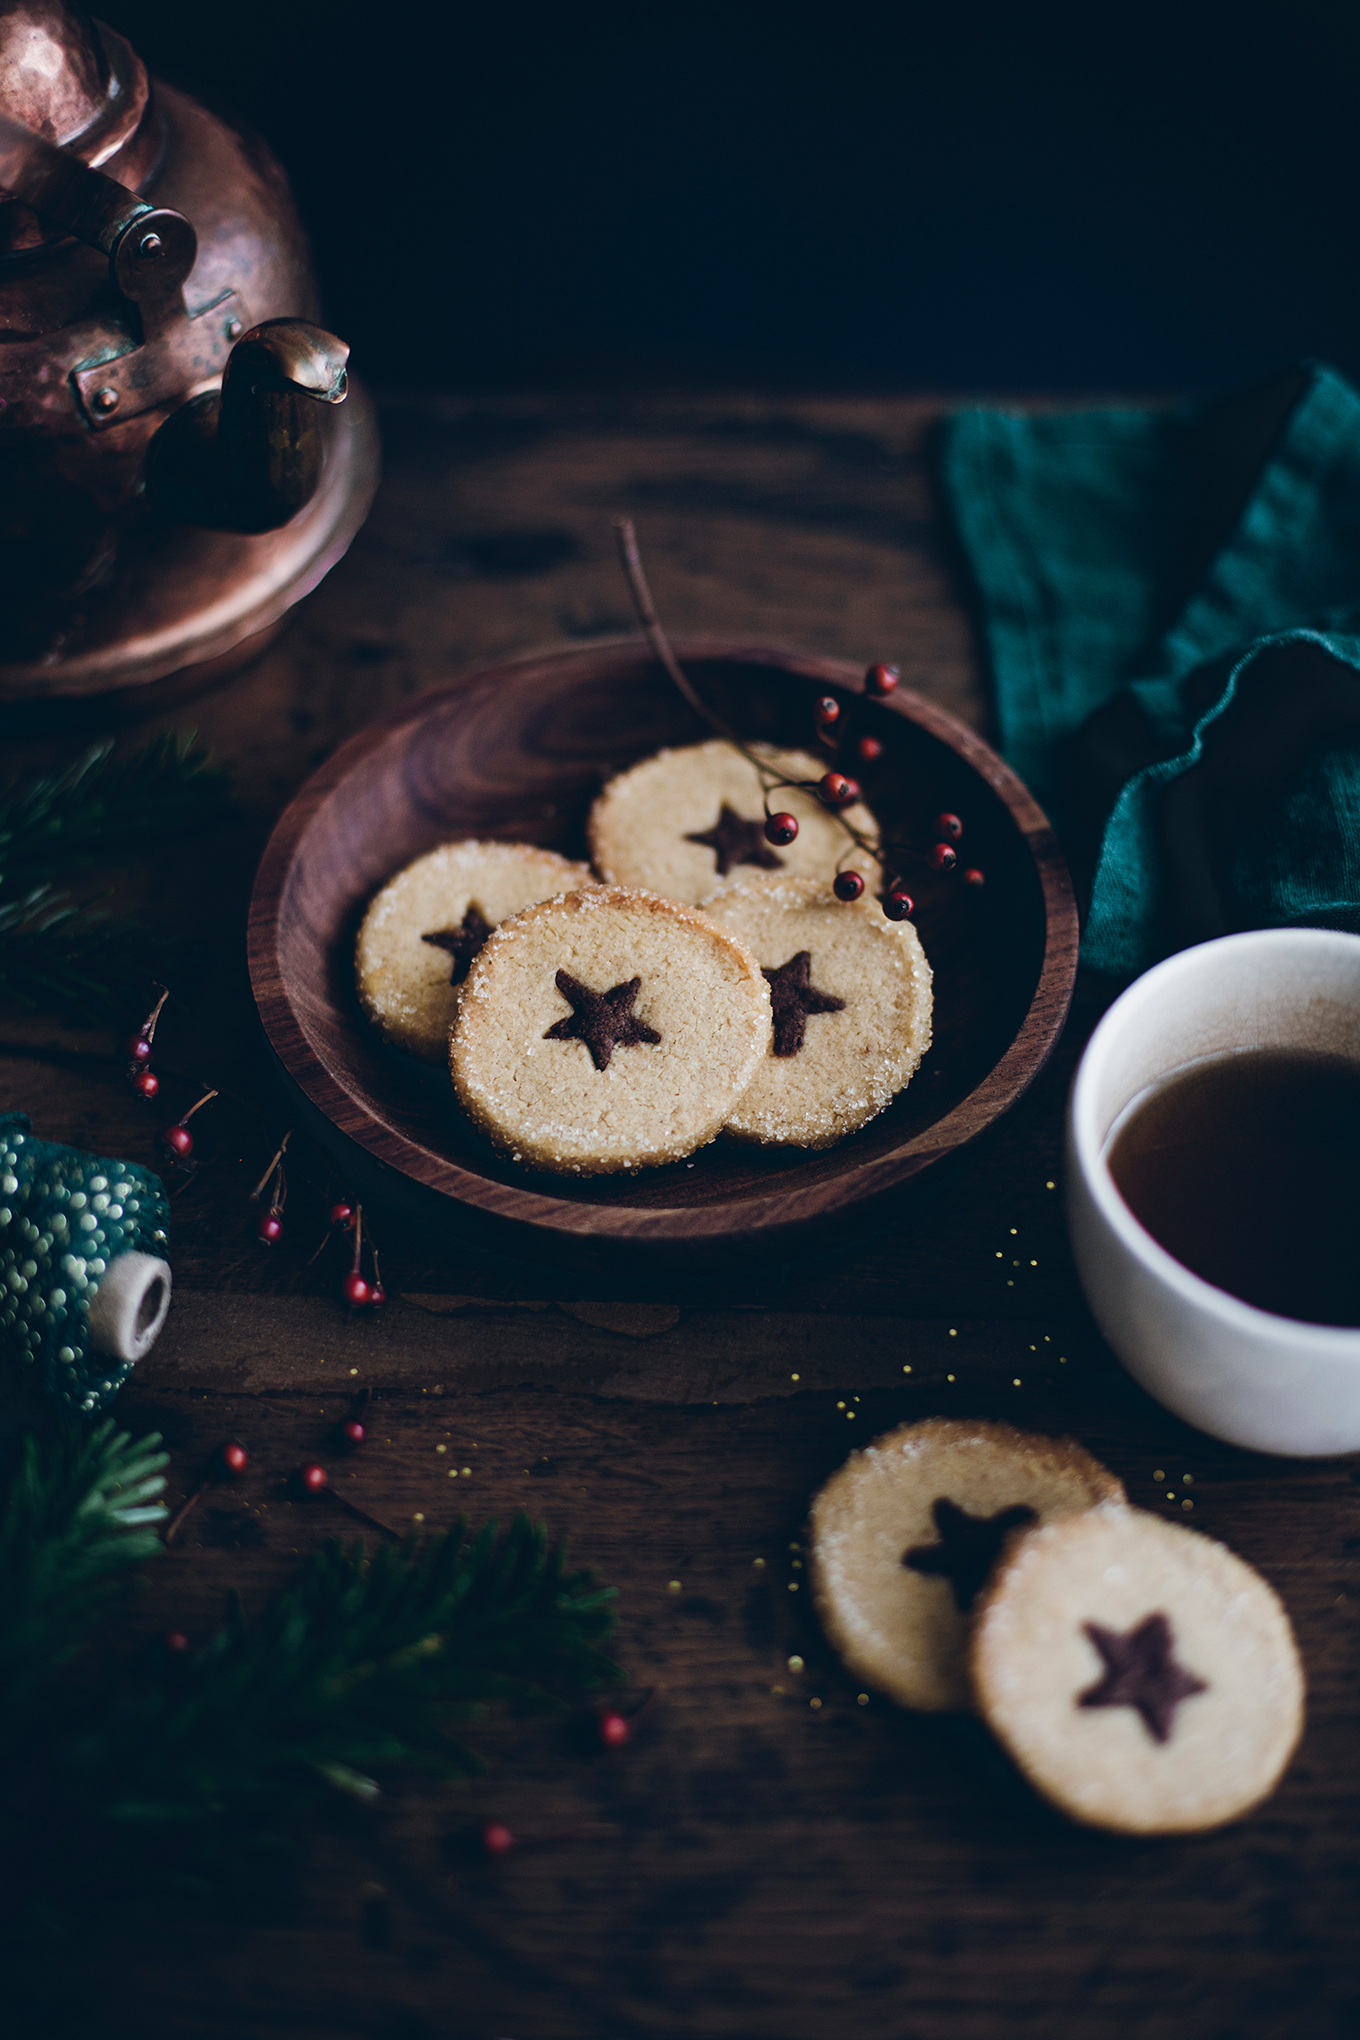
<point>949,826</point>
<point>232,1459</point>
<point>881,679</point>
<point>898,905</point>
<point>377,1296</point>
<point>177,1139</point>
<point>138,1049</point>
<point>780,828</point>
<point>342,1214</point>
<point>269,1228</point>
<point>497,1839</point>
<point>353,1432</point>
<point>311,1479</point>
<point>942,857</point>
<point>175,1639</point>
<point>847,885</point>
<point>147,1082</point>
<point>838,790</point>
<point>868,749</point>
<point>828,711</point>
<point>614,1731</point>
<point>356,1290</point>
<point>973,876</point>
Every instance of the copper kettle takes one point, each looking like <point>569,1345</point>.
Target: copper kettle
<point>182,451</point>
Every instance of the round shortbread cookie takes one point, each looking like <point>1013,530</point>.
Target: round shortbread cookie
<point>608,1030</point>
<point>851,1000</point>
<point>1143,1677</point>
<point>642,827</point>
<point>905,1535</point>
<point>423,930</point>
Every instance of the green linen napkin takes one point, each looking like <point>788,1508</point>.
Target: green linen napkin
<point>1171,603</point>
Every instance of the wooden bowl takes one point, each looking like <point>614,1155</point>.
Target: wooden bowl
<point>519,751</point>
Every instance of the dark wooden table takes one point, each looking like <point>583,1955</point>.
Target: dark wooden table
<point>770,1858</point>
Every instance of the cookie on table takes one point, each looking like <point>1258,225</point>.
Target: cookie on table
<point>421,933</point>
<point>905,1536</point>
<point>683,821</point>
<point>608,1030</point>
<point>851,998</point>
<point>1143,1677</point>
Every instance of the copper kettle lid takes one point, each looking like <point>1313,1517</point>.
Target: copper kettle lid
<point>74,81</point>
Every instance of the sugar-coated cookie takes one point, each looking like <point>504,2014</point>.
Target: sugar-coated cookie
<point>423,930</point>
<point>851,999</point>
<point>683,821</point>
<point>905,1535</point>
<point>1143,1677</point>
<point>608,1030</point>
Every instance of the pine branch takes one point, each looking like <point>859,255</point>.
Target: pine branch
<point>56,952</point>
<point>101,810</point>
<point>361,1664</point>
<point>75,1526</point>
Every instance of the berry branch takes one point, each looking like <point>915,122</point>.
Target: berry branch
<point>836,791</point>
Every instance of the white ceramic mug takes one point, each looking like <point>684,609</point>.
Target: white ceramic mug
<point>1267,1382</point>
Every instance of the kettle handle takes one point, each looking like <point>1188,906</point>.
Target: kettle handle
<point>151,248</point>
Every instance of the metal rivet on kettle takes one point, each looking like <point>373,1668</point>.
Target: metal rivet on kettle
<point>106,399</point>
<point>151,244</point>
<point>234,329</point>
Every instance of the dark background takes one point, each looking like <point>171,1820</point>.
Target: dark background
<point>974,197</point>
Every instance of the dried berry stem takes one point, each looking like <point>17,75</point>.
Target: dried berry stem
<point>273,1164</point>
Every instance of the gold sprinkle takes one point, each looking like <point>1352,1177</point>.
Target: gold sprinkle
<point>849,1416</point>
<point>999,1255</point>
<point>1157,1473</point>
<point>759,1564</point>
<point>674,1587</point>
<point>793,1586</point>
<point>1010,1282</point>
<point>1171,1494</point>
<point>1014,1230</point>
<point>863,1699</point>
<point>952,1333</point>
<point>1017,1383</point>
<point>1187,1480</point>
<point>1034,1264</point>
<point>418,1517</point>
<point>467,1470</point>
<point>795,1377</point>
<point>949,1377</point>
<point>797,1564</point>
<point>795,1664</point>
<point>1187,1503</point>
<point>814,1704</point>
<point>906,1370</point>
<point>795,1547</point>
<point>1062,1359</point>
<point>441,1448</point>
<point>840,1405</point>
<point>1050,1186</point>
<point>778,1692</point>
<point>354,1370</point>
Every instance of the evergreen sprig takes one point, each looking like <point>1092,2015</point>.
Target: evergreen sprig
<point>364,1666</point>
<point>364,1662</point>
<point>75,1528</point>
<point>56,952</point>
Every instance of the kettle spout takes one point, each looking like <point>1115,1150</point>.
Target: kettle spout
<point>250,458</point>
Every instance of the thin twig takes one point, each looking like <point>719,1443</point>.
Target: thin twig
<point>273,1165</point>
<point>631,558</point>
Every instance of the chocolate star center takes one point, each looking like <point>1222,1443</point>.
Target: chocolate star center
<point>969,1547</point>
<point>603,1020</point>
<point>1141,1671</point>
<point>736,841</point>
<point>462,943</point>
<point>792,998</point>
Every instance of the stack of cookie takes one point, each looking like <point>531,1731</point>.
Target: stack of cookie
<point>695,980</point>
<point>1142,1676</point>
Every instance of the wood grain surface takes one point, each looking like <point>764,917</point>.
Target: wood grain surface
<point>749,1867</point>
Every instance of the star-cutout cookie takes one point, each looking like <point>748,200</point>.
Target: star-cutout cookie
<point>969,1547</point>
<point>603,1020</point>
<point>736,841</point>
<point>792,998</point>
<point>1141,1671</point>
<point>462,943</point>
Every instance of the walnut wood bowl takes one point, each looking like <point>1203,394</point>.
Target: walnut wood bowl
<point>518,751</point>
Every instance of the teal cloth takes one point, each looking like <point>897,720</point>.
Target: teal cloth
<point>1073,527</point>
